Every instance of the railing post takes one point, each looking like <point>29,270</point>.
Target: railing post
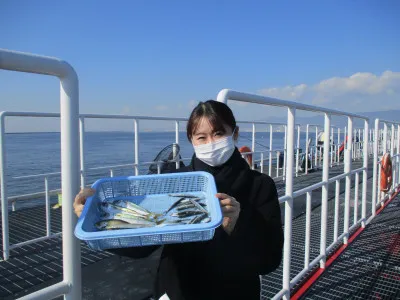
<point>365,175</point>
<point>307,150</point>
<point>297,150</point>
<point>391,156</point>
<point>285,154</point>
<point>289,202</point>
<point>262,163</point>
<point>177,142</point>
<point>355,202</point>
<point>384,150</point>
<point>325,189</point>
<point>70,182</point>
<point>338,146</point>
<point>270,150</point>
<point>375,168</point>
<point>336,222</point>
<point>316,148</point>
<point>308,230</point>
<point>136,122</point>
<point>82,150</point>
<point>347,169</point>
<point>3,179</point>
<point>397,158</point>
<point>48,216</point>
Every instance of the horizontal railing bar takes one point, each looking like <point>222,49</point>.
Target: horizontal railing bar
<point>284,198</point>
<point>308,189</point>
<point>43,238</point>
<point>29,196</point>
<point>50,292</point>
<point>38,175</point>
<point>226,94</point>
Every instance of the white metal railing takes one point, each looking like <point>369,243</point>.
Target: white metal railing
<point>69,103</point>
<point>71,121</point>
<point>339,237</point>
<point>111,168</point>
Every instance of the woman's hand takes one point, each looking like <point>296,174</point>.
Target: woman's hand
<point>80,200</point>
<point>230,211</point>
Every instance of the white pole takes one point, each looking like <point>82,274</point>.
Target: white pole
<point>285,154</point>
<point>298,150</point>
<point>308,230</point>
<point>48,217</point>
<point>375,168</point>
<point>136,122</point>
<point>316,147</point>
<point>347,169</point>
<point>325,187</point>
<point>288,203</point>
<point>82,150</point>
<point>306,167</point>
<point>336,224</point>
<point>177,142</point>
<point>365,175</point>
<point>253,144</point>
<point>70,182</point>
<point>4,198</point>
<point>270,150</point>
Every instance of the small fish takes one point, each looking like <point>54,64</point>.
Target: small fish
<point>115,209</point>
<point>115,224</point>
<point>132,206</point>
<point>188,206</point>
<point>174,205</point>
<point>200,219</point>
<point>186,213</point>
<point>131,219</point>
<point>183,196</point>
<point>198,206</point>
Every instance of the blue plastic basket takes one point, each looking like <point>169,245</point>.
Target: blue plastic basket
<point>150,192</point>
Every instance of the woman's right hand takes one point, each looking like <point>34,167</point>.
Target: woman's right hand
<point>80,200</point>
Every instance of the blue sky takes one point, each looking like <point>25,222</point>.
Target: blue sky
<point>161,57</point>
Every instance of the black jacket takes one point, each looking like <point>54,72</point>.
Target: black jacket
<point>228,266</point>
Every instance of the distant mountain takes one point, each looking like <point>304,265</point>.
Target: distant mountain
<point>388,115</point>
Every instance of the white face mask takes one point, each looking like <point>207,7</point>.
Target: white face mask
<point>216,153</point>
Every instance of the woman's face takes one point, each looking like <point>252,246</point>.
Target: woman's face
<point>205,134</point>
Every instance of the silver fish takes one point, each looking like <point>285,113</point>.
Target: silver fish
<point>188,206</point>
<point>132,206</point>
<point>186,213</point>
<point>131,219</point>
<point>115,224</point>
<point>183,196</point>
<point>200,219</point>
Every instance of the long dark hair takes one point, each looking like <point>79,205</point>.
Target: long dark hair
<point>217,113</point>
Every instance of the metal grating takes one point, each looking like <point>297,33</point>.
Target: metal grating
<point>271,284</point>
<point>370,267</point>
<point>39,263</point>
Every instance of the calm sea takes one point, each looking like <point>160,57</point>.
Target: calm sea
<point>38,153</point>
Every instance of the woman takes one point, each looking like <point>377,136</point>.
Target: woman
<point>249,242</point>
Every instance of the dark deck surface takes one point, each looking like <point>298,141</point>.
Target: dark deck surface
<point>107,276</point>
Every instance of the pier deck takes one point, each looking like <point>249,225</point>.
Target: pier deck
<point>108,276</point>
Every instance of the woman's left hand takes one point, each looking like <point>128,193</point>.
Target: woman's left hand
<point>230,211</point>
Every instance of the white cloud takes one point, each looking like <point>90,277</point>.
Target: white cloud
<point>358,92</point>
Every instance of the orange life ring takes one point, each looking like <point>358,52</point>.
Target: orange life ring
<point>386,173</point>
<point>248,157</point>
